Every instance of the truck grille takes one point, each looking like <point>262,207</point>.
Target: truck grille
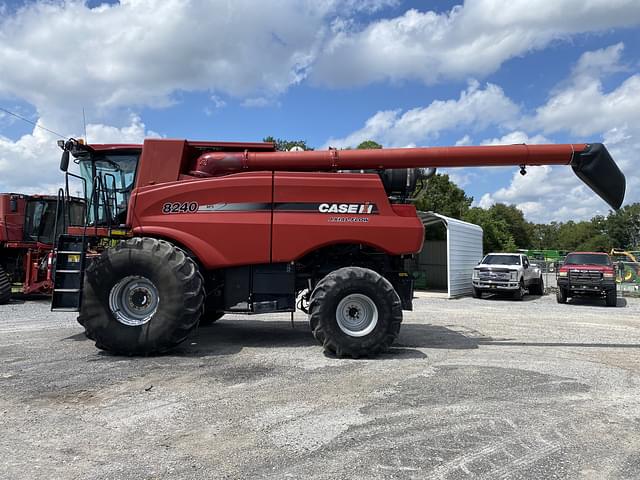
<point>494,275</point>
<point>585,275</point>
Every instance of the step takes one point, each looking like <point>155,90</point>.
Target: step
<point>66,290</point>
<point>68,271</point>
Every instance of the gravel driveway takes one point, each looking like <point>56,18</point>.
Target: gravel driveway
<point>473,389</point>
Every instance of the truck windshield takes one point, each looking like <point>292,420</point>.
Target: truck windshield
<point>501,260</point>
<point>587,259</point>
<point>109,179</point>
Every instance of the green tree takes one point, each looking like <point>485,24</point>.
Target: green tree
<point>496,236</point>
<point>545,236</point>
<point>443,196</point>
<point>521,230</point>
<point>286,145</point>
<point>623,227</point>
<point>368,144</point>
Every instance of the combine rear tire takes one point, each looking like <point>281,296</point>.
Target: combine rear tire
<point>5,287</point>
<point>141,297</point>
<point>355,312</point>
<point>612,298</point>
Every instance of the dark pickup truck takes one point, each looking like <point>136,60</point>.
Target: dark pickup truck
<point>587,274</point>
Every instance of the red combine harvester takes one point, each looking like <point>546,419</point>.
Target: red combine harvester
<point>27,225</point>
<point>181,232</point>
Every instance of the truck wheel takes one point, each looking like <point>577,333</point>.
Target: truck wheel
<point>5,287</point>
<point>612,298</point>
<point>476,293</point>
<point>355,312</point>
<point>142,296</point>
<point>561,296</point>
<point>519,293</point>
<point>538,288</point>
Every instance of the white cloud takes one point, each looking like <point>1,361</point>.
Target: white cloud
<point>582,107</point>
<point>139,52</point>
<point>30,164</point>
<point>469,40</point>
<point>259,102</point>
<point>515,138</point>
<point>476,108</point>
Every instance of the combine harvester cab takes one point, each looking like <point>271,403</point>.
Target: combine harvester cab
<point>179,233</point>
<point>27,234</point>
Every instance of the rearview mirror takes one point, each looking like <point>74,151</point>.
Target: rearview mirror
<point>64,161</point>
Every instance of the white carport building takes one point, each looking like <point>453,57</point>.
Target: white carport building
<point>447,264</point>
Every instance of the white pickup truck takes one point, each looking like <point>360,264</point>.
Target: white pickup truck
<point>507,273</point>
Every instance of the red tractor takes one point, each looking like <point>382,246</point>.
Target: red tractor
<point>27,224</point>
<point>178,233</point>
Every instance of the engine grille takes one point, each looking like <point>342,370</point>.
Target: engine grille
<point>585,275</point>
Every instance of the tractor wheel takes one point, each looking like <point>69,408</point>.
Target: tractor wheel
<point>537,288</point>
<point>355,312</point>
<point>519,294</point>
<point>612,298</point>
<point>142,296</point>
<point>561,296</point>
<point>5,287</point>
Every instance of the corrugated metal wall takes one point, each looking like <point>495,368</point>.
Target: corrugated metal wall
<point>448,265</point>
<point>465,251</point>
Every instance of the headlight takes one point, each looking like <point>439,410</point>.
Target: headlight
<point>476,275</point>
<point>513,275</point>
<point>562,274</point>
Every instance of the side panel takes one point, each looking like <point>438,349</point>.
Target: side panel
<point>224,221</point>
<point>310,213</point>
<point>11,222</point>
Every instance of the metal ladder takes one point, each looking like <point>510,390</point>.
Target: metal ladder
<point>68,273</point>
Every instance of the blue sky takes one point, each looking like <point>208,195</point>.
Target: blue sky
<point>332,72</point>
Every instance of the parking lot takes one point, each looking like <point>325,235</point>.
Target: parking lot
<point>473,389</point>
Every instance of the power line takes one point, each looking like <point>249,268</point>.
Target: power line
<point>31,122</point>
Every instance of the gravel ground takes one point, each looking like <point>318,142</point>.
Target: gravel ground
<point>473,389</point>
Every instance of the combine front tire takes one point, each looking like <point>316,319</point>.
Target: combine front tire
<point>355,312</point>
<point>141,297</point>
<point>5,287</point>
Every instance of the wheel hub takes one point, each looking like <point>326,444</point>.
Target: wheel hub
<point>357,315</point>
<point>134,300</point>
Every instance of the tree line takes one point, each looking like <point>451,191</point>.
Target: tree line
<point>506,229</point>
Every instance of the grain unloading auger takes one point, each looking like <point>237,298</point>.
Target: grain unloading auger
<point>179,233</point>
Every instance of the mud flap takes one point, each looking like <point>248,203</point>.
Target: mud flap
<point>595,167</point>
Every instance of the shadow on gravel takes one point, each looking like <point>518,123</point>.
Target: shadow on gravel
<point>433,336</point>
<point>509,298</point>
<point>594,302</point>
